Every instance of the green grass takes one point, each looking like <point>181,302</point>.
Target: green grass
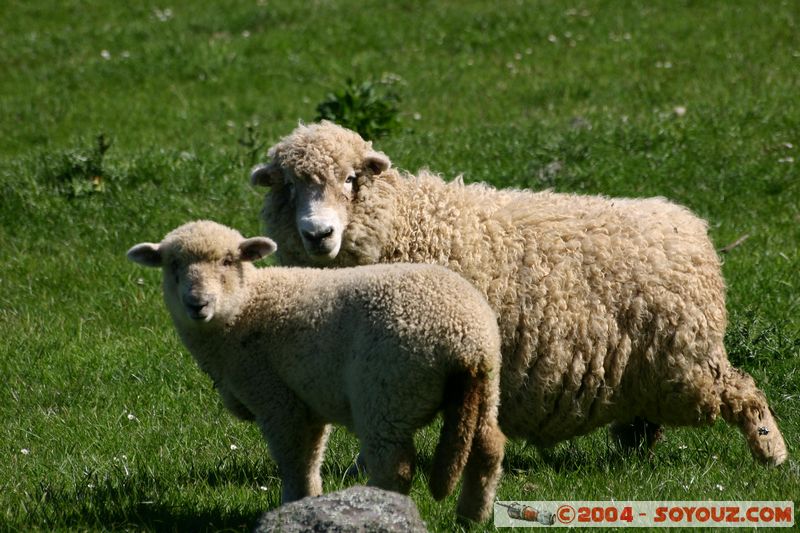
<point>123,431</point>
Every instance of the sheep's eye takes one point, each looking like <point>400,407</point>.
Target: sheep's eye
<point>350,179</point>
<point>227,262</point>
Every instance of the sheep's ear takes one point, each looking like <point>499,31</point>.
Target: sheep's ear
<point>256,248</point>
<point>146,254</point>
<point>266,175</point>
<point>376,162</point>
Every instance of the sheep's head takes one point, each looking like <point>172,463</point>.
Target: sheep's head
<point>315,172</point>
<point>204,266</point>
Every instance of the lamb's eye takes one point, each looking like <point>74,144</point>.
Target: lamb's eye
<point>350,179</point>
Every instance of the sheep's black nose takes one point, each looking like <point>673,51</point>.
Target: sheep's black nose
<point>318,236</point>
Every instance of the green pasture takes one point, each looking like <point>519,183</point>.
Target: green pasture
<point>121,120</point>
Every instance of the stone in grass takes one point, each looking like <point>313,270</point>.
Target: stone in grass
<point>357,509</point>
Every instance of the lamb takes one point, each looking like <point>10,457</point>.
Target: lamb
<point>379,349</point>
<point>610,310</point>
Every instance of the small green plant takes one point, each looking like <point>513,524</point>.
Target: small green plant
<point>251,142</point>
<point>79,172</point>
<point>371,108</point>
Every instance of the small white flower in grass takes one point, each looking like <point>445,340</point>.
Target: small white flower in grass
<point>788,146</point>
<point>417,116</point>
<point>679,110</point>
<point>262,487</point>
<point>552,38</point>
<point>245,34</point>
<point>786,160</point>
<point>682,446</point>
<point>132,417</point>
<point>105,54</point>
<point>715,457</point>
<point>163,14</point>
<point>25,451</point>
<point>719,487</point>
<point>234,447</point>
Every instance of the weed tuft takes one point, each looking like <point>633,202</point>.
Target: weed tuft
<point>371,108</point>
<point>251,143</point>
<point>78,172</point>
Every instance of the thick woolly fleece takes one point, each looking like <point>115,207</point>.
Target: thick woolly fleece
<point>376,349</point>
<point>608,308</point>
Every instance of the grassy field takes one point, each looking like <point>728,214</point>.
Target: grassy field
<point>121,120</point>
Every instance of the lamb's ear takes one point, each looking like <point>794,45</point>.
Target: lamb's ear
<point>146,254</point>
<point>376,162</point>
<point>256,248</point>
<point>266,175</point>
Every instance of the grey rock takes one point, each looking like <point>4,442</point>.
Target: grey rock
<point>357,509</point>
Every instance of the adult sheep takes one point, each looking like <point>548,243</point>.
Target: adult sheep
<point>379,349</point>
<point>610,310</point>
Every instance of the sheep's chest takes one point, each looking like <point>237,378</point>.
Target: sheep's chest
<point>320,383</point>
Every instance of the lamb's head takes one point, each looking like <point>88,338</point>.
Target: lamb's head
<point>314,174</point>
<point>205,266</point>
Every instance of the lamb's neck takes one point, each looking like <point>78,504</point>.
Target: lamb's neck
<point>272,293</point>
<point>206,344</point>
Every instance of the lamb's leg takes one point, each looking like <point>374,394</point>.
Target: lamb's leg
<point>636,435</point>
<point>297,445</point>
<point>744,405</point>
<point>391,460</point>
<point>482,472</point>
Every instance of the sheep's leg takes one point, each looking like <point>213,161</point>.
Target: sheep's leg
<point>636,435</point>
<point>482,472</point>
<point>391,460</point>
<point>744,405</point>
<point>297,445</point>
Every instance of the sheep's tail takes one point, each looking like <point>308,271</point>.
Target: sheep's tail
<point>463,395</point>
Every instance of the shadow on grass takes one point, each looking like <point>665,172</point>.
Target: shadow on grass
<point>154,517</point>
<point>141,501</point>
<point>581,454</point>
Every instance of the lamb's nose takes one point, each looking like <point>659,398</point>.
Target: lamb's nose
<point>196,307</point>
<point>319,235</point>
